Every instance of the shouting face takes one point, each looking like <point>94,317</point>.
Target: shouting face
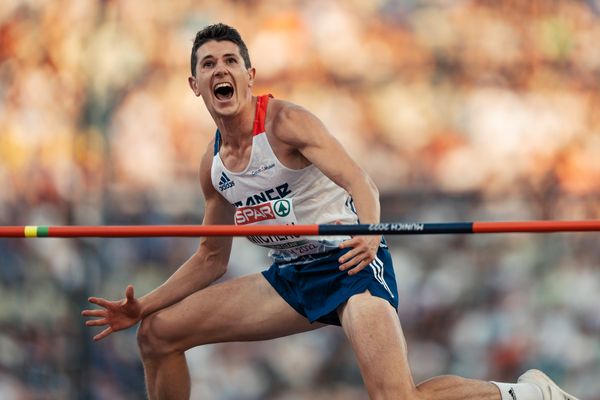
<point>222,78</point>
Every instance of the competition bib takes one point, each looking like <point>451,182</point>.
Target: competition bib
<point>276,212</point>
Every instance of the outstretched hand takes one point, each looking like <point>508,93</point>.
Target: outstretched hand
<point>118,315</point>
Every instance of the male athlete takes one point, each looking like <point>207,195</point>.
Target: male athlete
<point>272,162</point>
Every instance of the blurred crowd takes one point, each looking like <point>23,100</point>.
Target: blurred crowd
<point>459,110</point>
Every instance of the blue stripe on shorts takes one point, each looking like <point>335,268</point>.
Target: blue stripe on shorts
<point>317,288</point>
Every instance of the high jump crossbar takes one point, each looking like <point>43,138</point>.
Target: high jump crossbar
<point>396,228</point>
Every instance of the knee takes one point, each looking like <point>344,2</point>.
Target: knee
<point>152,338</point>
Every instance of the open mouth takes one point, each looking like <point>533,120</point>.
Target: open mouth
<point>223,91</point>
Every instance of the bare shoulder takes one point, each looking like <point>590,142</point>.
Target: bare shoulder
<point>279,108</point>
<point>205,169</point>
<point>291,123</point>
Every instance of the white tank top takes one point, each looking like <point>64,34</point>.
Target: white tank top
<point>266,192</point>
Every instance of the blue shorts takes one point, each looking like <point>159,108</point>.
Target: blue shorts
<point>316,288</point>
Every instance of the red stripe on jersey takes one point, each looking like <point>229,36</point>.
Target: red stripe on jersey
<point>261,114</point>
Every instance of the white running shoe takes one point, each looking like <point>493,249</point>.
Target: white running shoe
<point>550,390</point>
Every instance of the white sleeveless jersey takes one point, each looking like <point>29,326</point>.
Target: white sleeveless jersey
<point>268,193</point>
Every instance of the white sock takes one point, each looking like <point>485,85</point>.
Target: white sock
<point>519,391</point>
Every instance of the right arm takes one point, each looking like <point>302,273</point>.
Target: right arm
<point>210,260</point>
<point>206,265</point>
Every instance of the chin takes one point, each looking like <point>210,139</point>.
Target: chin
<point>226,110</point>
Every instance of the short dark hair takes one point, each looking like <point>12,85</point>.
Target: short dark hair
<point>219,32</point>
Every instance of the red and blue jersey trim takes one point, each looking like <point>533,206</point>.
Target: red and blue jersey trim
<point>259,120</point>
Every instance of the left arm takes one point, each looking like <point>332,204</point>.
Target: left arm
<point>305,133</point>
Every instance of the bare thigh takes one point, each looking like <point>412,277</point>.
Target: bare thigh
<point>374,331</point>
<point>240,309</point>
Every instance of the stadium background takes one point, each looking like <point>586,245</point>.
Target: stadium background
<point>459,110</point>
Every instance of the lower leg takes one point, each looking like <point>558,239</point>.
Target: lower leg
<point>457,388</point>
<point>167,377</point>
<point>374,331</point>
<point>450,387</point>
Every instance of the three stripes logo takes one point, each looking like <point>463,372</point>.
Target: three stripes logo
<point>225,183</point>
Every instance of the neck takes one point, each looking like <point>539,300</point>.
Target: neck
<point>237,129</point>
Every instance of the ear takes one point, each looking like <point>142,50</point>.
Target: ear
<point>194,85</point>
<point>251,76</point>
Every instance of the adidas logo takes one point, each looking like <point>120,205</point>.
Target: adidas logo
<point>225,183</point>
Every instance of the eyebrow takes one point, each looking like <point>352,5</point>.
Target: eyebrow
<point>224,55</point>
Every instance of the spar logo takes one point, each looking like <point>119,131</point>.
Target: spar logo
<point>282,207</point>
<point>263,212</point>
<point>252,214</point>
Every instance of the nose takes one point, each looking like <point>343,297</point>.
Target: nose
<point>220,69</point>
